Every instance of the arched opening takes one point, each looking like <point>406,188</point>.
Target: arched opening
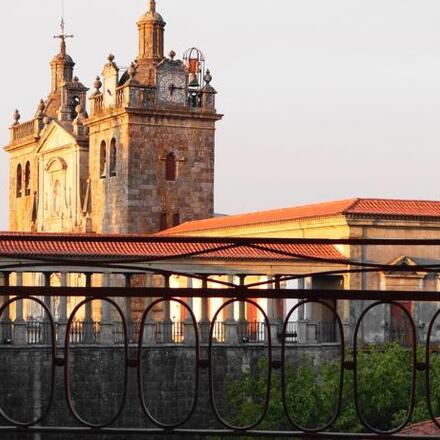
<point>75,102</point>
<point>170,168</point>
<point>176,219</point>
<point>19,182</point>
<point>163,222</point>
<point>27,179</point>
<point>103,159</point>
<point>113,153</point>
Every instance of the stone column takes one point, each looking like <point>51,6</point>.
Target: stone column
<point>273,312</point>
<point>106,322</point>
<point>88,315</point>
<point>167,323</point>
<point>150,324</point>
<point>230,324</point>
<point>127,308</point>
<point>48,303</point>
<point>5,323</point>
<point>242,322</point>
<point>188,325</point>
<point>204,323</point>
<point>62,321</point>
<point>20,336</point>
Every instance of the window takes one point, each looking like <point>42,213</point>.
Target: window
<point>176,219</point>
<point>113,153</point>
<point>163,223</point>
<point>27,179</point>
<point>170,168</point>
<point>103,159</point>
<point>19,183</point>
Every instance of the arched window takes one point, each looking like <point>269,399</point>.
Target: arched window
<point>103,159</point>
<point>113,153</point>
<point>170,168</point>
<point>27,179</point>
<point>176,219</point>
<point>163,222</point>
<point>19,183</point>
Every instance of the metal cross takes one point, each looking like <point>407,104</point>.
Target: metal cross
<point>63,36</point>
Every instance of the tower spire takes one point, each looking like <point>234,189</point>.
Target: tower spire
<point>62,64</point>
<point>152,5</point>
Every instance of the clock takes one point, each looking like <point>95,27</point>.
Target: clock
<point>172,88</point>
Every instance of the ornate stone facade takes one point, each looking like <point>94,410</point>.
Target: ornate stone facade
<point>140,161</point>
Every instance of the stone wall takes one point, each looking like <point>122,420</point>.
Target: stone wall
<point>97,376</point>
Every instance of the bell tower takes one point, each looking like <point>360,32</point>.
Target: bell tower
<point>151,35</point>
<point>152,139</point>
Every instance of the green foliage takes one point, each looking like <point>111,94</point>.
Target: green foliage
<point>384,381</point>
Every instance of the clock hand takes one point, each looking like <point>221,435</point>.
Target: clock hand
<point>173,88</point>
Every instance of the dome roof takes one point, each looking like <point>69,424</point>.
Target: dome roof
<point>63,58</point>
<point>152,16</point>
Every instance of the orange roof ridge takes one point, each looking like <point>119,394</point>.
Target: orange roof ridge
<point>350,207</point>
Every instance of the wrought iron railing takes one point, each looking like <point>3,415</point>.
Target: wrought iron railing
<point>205,362</point>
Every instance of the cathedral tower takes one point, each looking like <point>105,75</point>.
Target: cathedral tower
<point>48,155</point>
<point>152,139</point>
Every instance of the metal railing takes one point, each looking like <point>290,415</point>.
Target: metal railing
<point>277,344</point>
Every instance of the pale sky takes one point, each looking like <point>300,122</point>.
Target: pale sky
<point>323,99</point>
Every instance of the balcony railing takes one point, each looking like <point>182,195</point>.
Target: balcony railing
<point>199,354</point>
<point>24,130</point>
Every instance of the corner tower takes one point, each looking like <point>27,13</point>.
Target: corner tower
<point>152,139</point>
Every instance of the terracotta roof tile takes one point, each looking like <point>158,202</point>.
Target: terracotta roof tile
<point>139,247</point>
<point>427,427</point>
<point>349,207</point>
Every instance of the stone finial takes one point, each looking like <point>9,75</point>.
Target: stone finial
<point>97,85</point>
<point>75,79</point>
<point>172,55</point>
<point>16,116</point>
<point>208,77</point>
<point>111,58</point>
<point>152,5</point>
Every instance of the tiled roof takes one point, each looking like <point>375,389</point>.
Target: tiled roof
<point>427,427</point>
<point>22,245</point>
<point>384,208</point>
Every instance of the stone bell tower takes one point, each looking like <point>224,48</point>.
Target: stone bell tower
<point>152,139</point>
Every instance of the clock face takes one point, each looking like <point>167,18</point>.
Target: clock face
<point>172,88</point>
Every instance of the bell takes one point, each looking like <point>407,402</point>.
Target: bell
<point>193,65</point>
<point>193,80</point>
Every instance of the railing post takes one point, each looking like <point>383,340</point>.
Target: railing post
<point>106,323</point>
<point>231,325</point>
<point>19,323</point>
<point>204,318</point>
<point>62,320</point>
